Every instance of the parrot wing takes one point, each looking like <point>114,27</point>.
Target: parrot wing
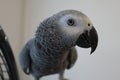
<point>25,60</point>
<point>72,57</point>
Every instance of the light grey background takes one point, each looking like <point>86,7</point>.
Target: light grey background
<point>20,19</point>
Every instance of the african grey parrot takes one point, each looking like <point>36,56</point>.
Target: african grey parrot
<point>52,50</point>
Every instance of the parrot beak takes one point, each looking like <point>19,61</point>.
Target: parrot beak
<point>88,39</point>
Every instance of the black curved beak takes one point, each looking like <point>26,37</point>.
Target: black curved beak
<point>88,39</point>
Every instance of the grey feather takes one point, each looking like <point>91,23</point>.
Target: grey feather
<point>72,57</point>
<point>52,50</point>
<point>25,60</point>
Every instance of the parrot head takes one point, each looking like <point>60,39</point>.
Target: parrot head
<point>78,28</point>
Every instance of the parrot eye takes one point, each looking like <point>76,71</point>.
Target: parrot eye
<point>71,22</point>
<point>88,24</point>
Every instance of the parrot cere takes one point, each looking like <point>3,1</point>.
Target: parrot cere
<point>52,50</point>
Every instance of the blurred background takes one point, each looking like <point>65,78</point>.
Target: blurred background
<point>20,18</point>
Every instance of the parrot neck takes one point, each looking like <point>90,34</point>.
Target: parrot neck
<point>50,43</point>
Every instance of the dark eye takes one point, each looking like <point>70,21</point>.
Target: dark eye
<point>88,24</point>
<point>71,22</point>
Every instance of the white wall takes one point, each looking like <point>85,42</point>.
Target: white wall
<point>104,63</point>
<point>20,19</point>
<point>11,19</point>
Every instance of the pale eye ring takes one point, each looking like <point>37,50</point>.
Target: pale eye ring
<point>71,22</point>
